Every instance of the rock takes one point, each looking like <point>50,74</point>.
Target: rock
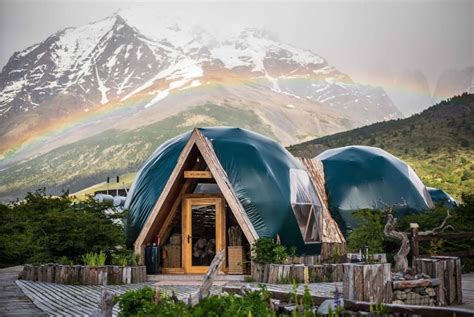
<point>289,308</point>
<point>324,307</point>
<point>430,291</point>
<point>398,302</point>
<point>400,295</point>
<point>421,276</point>
<point>425,301</point>
<point>432,302</point>
<point>420,290</point>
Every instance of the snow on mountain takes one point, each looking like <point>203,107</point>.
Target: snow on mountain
<point>85,68</point>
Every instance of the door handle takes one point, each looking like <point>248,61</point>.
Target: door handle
<point>189,238</point>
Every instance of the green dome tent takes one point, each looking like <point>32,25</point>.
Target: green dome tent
<point>360,177</point>
<point>266,179</point>
<point>439,196</point>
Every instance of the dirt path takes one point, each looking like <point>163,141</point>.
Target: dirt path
<point>13,302</point>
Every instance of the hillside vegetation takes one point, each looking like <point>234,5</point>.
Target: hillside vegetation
<point>114,152</point>
<point>437,143</point>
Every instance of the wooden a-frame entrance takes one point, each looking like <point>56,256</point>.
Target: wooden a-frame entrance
<point>197,161</point>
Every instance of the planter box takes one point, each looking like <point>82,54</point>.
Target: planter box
<point>367,282</point>
<point>448,270</point>
<point>236,260</point>
<point>83,274</point>
<point>300,273</point>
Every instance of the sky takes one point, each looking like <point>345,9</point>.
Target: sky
<point>372,41</point>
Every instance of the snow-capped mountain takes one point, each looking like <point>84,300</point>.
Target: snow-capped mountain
<point>103,74</point>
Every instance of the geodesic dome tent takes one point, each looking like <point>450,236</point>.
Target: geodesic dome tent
<point>266,187</point>
<point>439,196</point>
<point>360,177</point>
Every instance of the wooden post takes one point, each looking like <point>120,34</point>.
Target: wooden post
<point>208,279</point>
<point>106,304</point>
<point>415,249</point>
<point>367,282</point>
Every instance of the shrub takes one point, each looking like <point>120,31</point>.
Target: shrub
<point>48,229</point>
<point>265,250</point>
<point>141,303</point>
<point>94,259</point>
<point>125,258</point>
<point>137,302</point>
<point>369,232</point>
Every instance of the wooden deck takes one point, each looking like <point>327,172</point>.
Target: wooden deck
<point>60,300</point>
<point>467,291</point>
<point>13,301</point>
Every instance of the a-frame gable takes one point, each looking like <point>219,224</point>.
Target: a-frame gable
<point>199,141</point>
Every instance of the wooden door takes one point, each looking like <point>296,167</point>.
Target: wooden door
<point>203,232</point>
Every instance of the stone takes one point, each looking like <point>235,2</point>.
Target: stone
<point>430,291</point>
<point>324,307</point>
<point>289,308</point>
<point>400,295</point>
<point>432,302</point>
<point>398,302</point>
<point>425,301</point>
<point>420,290</point>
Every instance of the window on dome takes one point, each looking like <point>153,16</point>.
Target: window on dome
<point>306,206</point>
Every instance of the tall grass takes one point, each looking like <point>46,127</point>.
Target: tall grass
<point>94,259</point>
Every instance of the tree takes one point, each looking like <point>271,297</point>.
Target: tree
<point>369,232</point>
<point>49,229</point>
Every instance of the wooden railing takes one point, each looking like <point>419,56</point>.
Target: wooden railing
<point>416,238</point>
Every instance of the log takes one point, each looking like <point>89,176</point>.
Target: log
<point>50,273</point>
<point>416,283</point>
<point>297,273</point>
<point>208,280</point>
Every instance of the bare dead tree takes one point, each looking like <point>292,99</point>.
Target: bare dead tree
<point>401,261</point>
<point>439,228</point>
<point>390,230</point>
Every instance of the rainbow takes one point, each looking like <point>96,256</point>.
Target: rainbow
<point>80,119</point>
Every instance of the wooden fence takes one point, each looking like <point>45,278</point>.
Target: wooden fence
<point>416,238</point>
<point>299,273</point>
<point>84,275</point>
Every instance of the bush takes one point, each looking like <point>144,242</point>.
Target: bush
<point>265,250</point>
<point>94,259</point>
<point>369,232</point>
<point>43,229</point>
<point>125,258</point>
<point>141,303</point>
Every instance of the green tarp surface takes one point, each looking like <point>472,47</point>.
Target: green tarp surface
<point>360,177</point>
<point>439,196</point>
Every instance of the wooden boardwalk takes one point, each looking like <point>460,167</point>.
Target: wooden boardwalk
<point>73,300</point>
<point>13,301</point>
<point>467,291</point>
